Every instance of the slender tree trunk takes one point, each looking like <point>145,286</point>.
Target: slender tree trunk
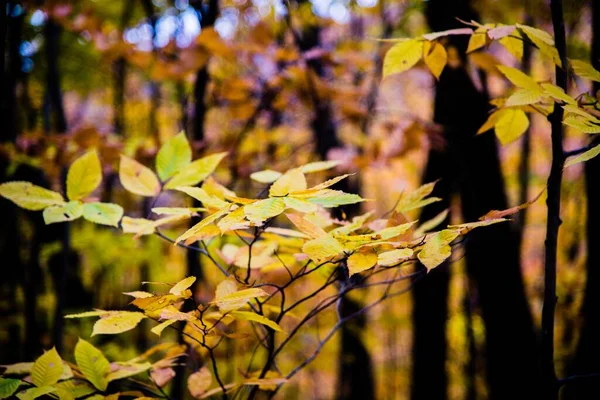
<point>549,381</point>
<point>587,353</point>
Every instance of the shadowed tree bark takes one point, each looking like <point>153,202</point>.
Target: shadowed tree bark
<point>355,372</point>
<point>587,354</point>
<point>472,166</point>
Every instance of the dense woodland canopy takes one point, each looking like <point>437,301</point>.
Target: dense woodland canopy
<point>300,199</point>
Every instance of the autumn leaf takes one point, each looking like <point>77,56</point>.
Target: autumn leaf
<point>402,56</point>
<point>117,322</point>
<point>173,156</point>
<point>92,364</point>
<point>253,317</point>
<point>103,213</point>
<point>393,257</point>
<point>361,261</point>
<point>67,212</point>
<point>84,176</point>
<point>511,124</point>
<point>199,382</point>
<point>585,70</point>
<point>29,196</point>
<point>138,178</point>
<point>195,172</point>
<point>235,300</point>
<point>585,156</point>
<point>435,57</point>
<point>47,369</point>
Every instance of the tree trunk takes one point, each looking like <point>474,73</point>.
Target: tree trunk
<point>587,354</point>
<point>510,336</point>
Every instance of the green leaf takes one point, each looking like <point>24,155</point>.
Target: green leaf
<point>251,316</point>
<point>588,155</point>
<point>103,213</point>
<point>84,176</point>
<point>92,363</point>
<point>68,212</point>
<point>8,387</point>
<point>118,322</point>
<point>47,369</point>
<point>196,172</point>
<point>137,178</point>
<point>402,56</point>
<point>29,196</point>
<point>174,155</point>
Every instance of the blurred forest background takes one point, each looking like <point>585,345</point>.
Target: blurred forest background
<point>278,84</point>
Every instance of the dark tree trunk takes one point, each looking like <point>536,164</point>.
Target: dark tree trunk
<point>52,35</point>
<point>492,254</point>
<point>587,353</point>
<point>430,311</point>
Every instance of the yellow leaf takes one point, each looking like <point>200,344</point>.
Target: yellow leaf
<point>393,257</point>
<point>84,176</point>
<point>543,41</point>
<point>125,370</point>
<point>157,330</point>
<point>251,316</point>
<point>322,249</point>
<point>412,200</point>
<point>201,225</point>
<point>520,79</point>
<point>182,285</point>
<point>204,197</point>
<point>29,196</point>
<point>478,39</point>
<point>437,248</point>
<point>319,166</point>
<point>139,294</point>
<point>138,178</point>
<point>292,181</point>
<point>199,382</point>
<point>306,226</point>
<point>360,261</point>
<point>103,213</point>
<point>588,155</point>
<point>153,305</point>
<point>266,176</point>
<point>315,189</point>
<point>435,57</point>
<point>68,212</point>
<point>490,122</point>
<point>118,322</point>
<point>195,172</point>
<point>174,155</point>
<point>187,211</point>
<point>262,210</point>
<point>458,31</point>
<point>522,97</point>
<point>581,124</point>
<point>140,226</point>
<point>235,300</point>
<point>47,369</point>
<point>92,364</point>
<point>225,288</point>
<point>402,56</point>
<point>513,44</point>
<point>585,70</point>
<point>558,94</point>
<point>234,221</point>
<point>332,198</point>
<point>511,125</point>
